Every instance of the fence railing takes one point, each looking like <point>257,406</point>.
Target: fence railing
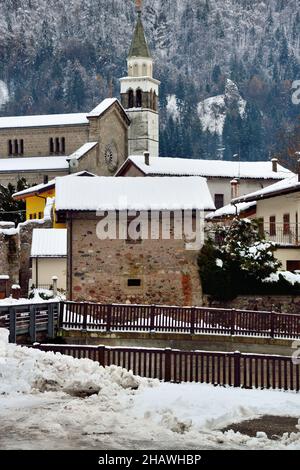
<point>29,320</point>
<point>283,234</point>
<point>189,320</point>
<point>217,368</point>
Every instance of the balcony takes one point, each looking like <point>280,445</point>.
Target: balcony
<point>282,234</point>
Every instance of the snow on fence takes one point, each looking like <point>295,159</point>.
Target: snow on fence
<point>30,319</point>
<point>198,320</point>
<point>217,368</point>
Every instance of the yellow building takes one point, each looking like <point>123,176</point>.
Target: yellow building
<point>36,199</point>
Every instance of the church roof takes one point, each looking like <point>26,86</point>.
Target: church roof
<point>139,46</point>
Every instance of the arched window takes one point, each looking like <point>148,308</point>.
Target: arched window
<point>130,99</point>
<point>51,145</point>
<point>144,70</point>
<point>16,147</point>
<point>57,145</point>
<point>139,98</point>
<point>154,101</point>
<point>135,73</point>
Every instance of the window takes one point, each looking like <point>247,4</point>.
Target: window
<point>16,147</point>
<point>293,265</point>
<point>286,224</point>
<point>51,145</point>
<point>273,226</point>
<point>130,99</point>
<point>46,179</point>
<point>57,145</point>
<point>154,101</point>
<point>134,282</point>
<point>219,200</point>
<point>41,215</point>
<point>139,98</point>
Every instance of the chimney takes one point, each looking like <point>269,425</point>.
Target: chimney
<point>147,158</point>
<point>298,169</point>
<point>235,188</point>
<point>274,165</point>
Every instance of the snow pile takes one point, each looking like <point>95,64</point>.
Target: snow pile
<point>213,111</point>
<point>27,370</point>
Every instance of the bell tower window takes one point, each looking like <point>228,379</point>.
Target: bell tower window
<point>130,99</point>
<point>139,98</point>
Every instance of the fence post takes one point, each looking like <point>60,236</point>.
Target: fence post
<point>12,325</point>
<point>272,324</point>
<point>101,355</point>
<point>168,358</point>
<point>233,317</point>
<point>61,312</point>
<point>32,323</point>
<point>152,325</point>
<point>51,329</point>
<point>237,369</point>
<point>193,316</point>
<point>108,324</point>
<point>85,313</point>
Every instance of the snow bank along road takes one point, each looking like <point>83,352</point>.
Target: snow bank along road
<point>51,401</point>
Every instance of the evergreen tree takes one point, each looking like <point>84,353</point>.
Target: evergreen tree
<point>11,210</point>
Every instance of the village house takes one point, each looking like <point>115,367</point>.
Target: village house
<point>49,258</point>
<point>149,268</point>
<point>278,209</point>
<point>221,175</point>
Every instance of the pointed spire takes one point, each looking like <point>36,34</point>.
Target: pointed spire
<point>139,46</point>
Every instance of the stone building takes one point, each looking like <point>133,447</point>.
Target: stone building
<point>41,147</point>
<point>117,267</point>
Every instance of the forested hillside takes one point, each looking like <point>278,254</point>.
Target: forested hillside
<point>66,55</point>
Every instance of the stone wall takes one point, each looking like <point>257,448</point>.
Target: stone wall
<point>99,270</point>
<point>36,140</point>
<point>278,303</point>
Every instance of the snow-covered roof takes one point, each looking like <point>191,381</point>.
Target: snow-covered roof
<point>84,149</point>
<point>32,164</point>
<point>206,168</point>
<point>230,210</point>
<point>285,186</point>
<point>46,120</point>
<point>49,243</point>
<point>43,120</point>
<point>109,193</point>
<point>46,186</point>
<point>102,107</point>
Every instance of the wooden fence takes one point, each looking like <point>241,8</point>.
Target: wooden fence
<point>29,320</point>
<point>153,318</point>
<point>217,368</point>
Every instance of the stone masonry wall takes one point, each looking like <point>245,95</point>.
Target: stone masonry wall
<point>101,269</point>
<point>36,140</point>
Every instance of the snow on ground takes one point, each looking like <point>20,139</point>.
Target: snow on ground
<point>46,403</point>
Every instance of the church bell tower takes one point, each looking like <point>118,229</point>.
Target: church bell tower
<point>140,94</point>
